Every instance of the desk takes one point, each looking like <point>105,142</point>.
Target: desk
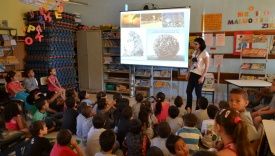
<point>247,83</point>
<point>269,135</point>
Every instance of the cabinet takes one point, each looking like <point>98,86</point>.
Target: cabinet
<point>8,43</point>
<point>255,60</point>
<point>89,57</point>
<point>115,75</point>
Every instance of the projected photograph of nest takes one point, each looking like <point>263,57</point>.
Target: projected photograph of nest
<point>132,45</point>
<point>151,20</point>
<point>130,20</point>
<point>173,20</point>
<point>166,47</point>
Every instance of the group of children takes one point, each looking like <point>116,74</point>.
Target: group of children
<point>121,128</point>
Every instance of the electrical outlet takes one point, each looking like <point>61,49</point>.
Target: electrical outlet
<point>4,23</point>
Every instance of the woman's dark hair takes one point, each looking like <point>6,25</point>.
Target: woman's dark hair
<point>171,141</point>
<point>145,110</point>
<point>201,42</point>
<point>233,126</point>
<point>160,98</point>
<point>36,127</point>
<point>81,95</point>
<point>50,70</point>
<point>11,110</point>
<point>9,76</point>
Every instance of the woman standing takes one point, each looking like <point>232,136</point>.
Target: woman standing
<point>197,71</point>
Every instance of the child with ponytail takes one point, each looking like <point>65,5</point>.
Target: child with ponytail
<point>233,131</point>
<point>161,107</point>
<point>147,118</point>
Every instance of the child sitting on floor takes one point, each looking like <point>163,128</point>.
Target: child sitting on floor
<point>201,113</point>
<point>179,103</point>
<point>84,97</point>
<point>164,131</point>
<point>176,146</point>
<point>40,146</point>
<point>136,106</point>
<point>60,148</point>
<point>87,124</point>
<point>190,133</point>
<point>233,131</point>
<point>174,120</point>
<point>13,119</point>
<point>135,141</point>
<point>69,116</point>
<point>238,101</point>
<point>207,128</point>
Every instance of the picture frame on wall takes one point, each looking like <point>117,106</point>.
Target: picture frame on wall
<point>241,41</point>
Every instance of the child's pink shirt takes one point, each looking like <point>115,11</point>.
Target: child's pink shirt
<point>164,112</point>
<point>13,85</point>
<point>50,86</point>
<point>12,124</point>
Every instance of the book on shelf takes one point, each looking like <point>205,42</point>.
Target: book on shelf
<point>254,52</point>
<point>246,66</point>
<point>246,77</point>
<point>162,73</point>
<point>157,73</point>
<point>253,66</point>
<point>161,84</point>
<point>258,66</point>
<point>139,72</point>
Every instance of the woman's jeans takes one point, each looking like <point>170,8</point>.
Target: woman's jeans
<point>193,83</point>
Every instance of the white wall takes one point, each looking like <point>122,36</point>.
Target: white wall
<point>107,12</point>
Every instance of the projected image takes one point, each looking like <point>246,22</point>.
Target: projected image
<point>173,19</point>
<point>165,45</point>
<point>157,37</point>
<point>151,20</point>
<point>132,45</point>
<point>130,20</point>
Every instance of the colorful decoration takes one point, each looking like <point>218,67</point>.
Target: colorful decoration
<point>44,16</point>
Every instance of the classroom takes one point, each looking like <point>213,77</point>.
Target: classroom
<point>124,77</point>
